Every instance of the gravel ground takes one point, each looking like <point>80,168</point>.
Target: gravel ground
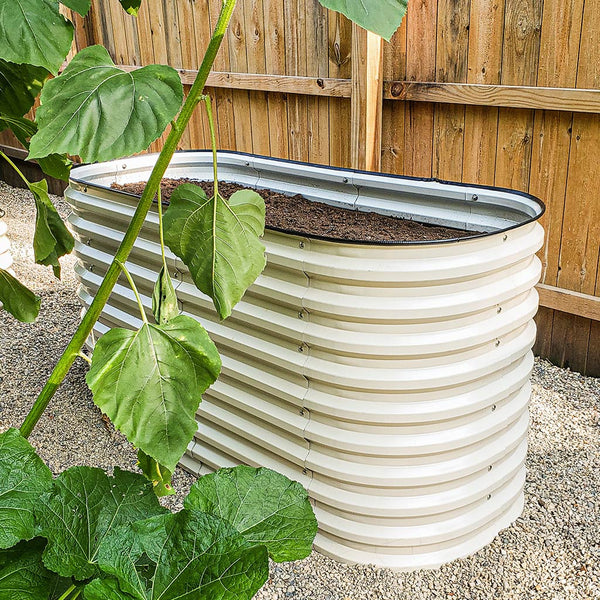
<point>552,552</point>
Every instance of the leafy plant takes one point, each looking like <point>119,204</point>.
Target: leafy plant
<point>86,533</point>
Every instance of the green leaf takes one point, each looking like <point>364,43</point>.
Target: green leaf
<point>150,382</point>
<point>51,239</point>
<point>23,477</point>
<point>83,507</point>
<point>158,474</point>
<point>96,111</point>
<point>55,165</point>
<point>131,6</point>
<point>186,556</point>
<point>23,575</point>
<point>34,32</point>
<point>382,17</point>
<point>15,298</point>
<point>219,244</point>
<point>19,87</point>
<point>164,299</point>
<point>264,506</point>
<point>80,6</point>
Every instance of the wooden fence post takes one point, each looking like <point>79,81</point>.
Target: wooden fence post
<point>367,99</point>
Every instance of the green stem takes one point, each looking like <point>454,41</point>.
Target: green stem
<point>213,141</point>
<point>135,291</point>
<point>95,310</point>
<point>12,164</point>
<point>87,359</point>
<point>68,592</point>
<point>77,594</point>
<point>161,231</point>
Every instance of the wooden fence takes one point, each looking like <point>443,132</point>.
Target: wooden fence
<point>498,92</point>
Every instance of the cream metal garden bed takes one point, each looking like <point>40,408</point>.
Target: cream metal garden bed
<point>392,380</point>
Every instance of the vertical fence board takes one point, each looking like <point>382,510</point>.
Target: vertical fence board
<point>421,40</point>
<point>451,66</point>
<point>486,31</point>
<point>559,52</point>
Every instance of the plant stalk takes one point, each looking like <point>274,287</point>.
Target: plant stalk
<point>110,279</point>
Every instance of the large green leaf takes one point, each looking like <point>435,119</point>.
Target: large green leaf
<point>150,382</point>
<point>23,477</point>
<point>264,506</point>
<point>15,298</point>
<point>382,17</point>
<point>52,239</point>
<point>96,111</point>
<point>19,87</point>
<point>83,507</point>
<point>184,556</point>
<point>34,32</point>
<point>23,575</point>
<point>219,241</point>
<point>54,165</point>
<point>131,6</point>
<point>80,6</point>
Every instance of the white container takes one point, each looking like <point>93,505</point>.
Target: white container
<point>391,380</point>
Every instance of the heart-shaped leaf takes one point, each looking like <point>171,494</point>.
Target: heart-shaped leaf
<point>54,165</point>
<point>164,299</point>
<point>83,507</point>
<point>264,506</point>
<point>18,300</point>
<point>218,240</point>
<point>186,556</point>
<point>150,383</point>
<point>52,239</point>
<point>34,32</point>
<point>23,575</point>
<point>23,477</point>
<point>382,17</point>
<point>80,6</point>
<point>158,474</point>
<point>131,6</point>
<point>96,111</point>
<point>19,87</point>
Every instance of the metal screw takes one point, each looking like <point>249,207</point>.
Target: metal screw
<point>474,197</point>
<point>345,180</point>
<point>504,238</point>
<point>175,274</point>
<point>124,166</point>
<point>493,407</point>
<point>247,164</point>
<point>305,471</point>
<point>89,242</point>
<point>497,343</point>
<point>499,310</point>
<point>301,245</point>
<point>301,315</point>
<point>490,468</point>
<point>489,496</point>
<point>300,348</point>
<point>301,412</point>
<point>91,268</point>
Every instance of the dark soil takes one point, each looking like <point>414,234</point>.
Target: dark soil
<point>296,214</point>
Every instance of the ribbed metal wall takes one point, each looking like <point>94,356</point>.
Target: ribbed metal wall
<point>392,381</point>
<point>5,256</point>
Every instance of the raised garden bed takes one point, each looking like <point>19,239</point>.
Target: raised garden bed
<point>391,379</point>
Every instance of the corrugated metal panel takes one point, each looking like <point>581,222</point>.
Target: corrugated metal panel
<point>391,380</point>
<point>5,255</point>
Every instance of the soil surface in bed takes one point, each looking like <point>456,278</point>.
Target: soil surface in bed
<point>296,214</point>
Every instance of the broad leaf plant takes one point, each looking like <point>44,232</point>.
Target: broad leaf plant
<point>97,536</point>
